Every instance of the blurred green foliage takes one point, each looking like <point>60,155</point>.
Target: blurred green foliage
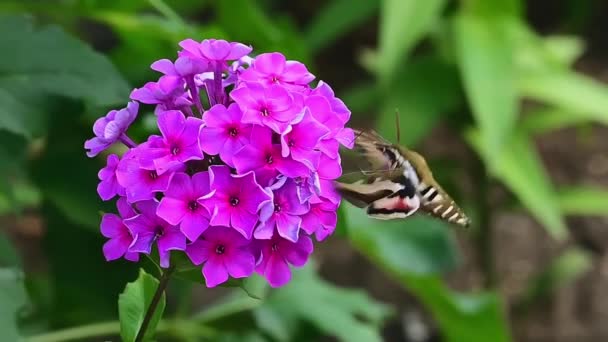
<point>468,64</point>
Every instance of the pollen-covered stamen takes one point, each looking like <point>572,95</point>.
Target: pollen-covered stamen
<point>233,132</point>
<point>234,201</point>
<point>174,150</point>
<point>274,79</point>
<point>153,175</point>
<point>220,249</point>
<point>193,205</point>
<point>274,247</point>
<point>291,143</point>
<point>265,112</point>
<point>277,208</point>
<point>159,231</point>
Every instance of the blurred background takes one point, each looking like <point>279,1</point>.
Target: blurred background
<point>507,99</point>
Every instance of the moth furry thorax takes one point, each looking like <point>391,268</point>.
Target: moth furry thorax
<point>398,184</point>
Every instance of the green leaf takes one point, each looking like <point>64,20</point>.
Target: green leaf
<point>520,169</point>
<point>336,19</point>
<point>414,251</point>
<point>485,58</point>
<point>12,298</point>
<point>39,62</point>
<point>568,91</point>
<point>539,121</point>
<point>419,245</point>
<point>402,24</point>
<point>133,304</point>
<point>349,315</point>
<point>8,253</point>
<point>265,31</point>
<point>426,89</point>
<point>583,201</point>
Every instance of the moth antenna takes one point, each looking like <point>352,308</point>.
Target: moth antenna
<point>398,126</point>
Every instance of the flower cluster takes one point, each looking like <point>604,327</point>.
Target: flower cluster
<point>240,176</point>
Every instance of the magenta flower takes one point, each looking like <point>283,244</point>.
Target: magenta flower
<point>273,68</point>
<point>109,187</point>
<point>243,169</point>
<point>224,253</point>
<point>140,183</point>
<point>213,50</point>
<point>278,253</point>
<point>179,143</point>
<point>223,132</point>
<point>183,203</point>
<point>283,212</point>
<point>168,93</point>
<point>237,200</point>
<point>113,227</point>
<point>112,128</point>
<point>299,141</point>
<point>266,160</point>
<point>271,106</point>
<point>149,229</point>
<point>321,220</point>
<point>183,67</point>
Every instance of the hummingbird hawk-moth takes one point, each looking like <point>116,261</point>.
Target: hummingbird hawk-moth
<point>398,184</point>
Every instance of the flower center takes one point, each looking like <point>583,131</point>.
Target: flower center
<point>193,205</point>
<point>274,247</point>
<point>277,207</point>
<point>158,231</point>
<point>220,249</point>
<point>234,201</point>
<point>269,159</point>
<point>274,79</point>
<point>174,150</point>
<point>265,112</point>
<point>233,132</point>
<point>153,175</point>
<point>291,143</point>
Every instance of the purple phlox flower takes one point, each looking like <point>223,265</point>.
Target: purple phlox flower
<point>343,135</point>
<point>109,187</point>
<point>168,93</point>
<point>272,106</point>
<point>183,66</point>
<point>187,68</point>
<point>273,68</point>
<point>149,229</point>
<point>328,191</point>
<point>329,168</point>
<point>223,132</point>
<point>113,227</point>
<point>321,219</point>
<point>299,140</point>
<point>224,253</point>
<point>179,143</point>
<point>278,253</point>
<point>307,187</point>
<point>283,212</point>
<point>183,203</point>
<point>141,181</point>
<point>265,159</point>
<point>111,128</point>
<point>322,112</point>
<point>214,50</point>
<point>237,200</point>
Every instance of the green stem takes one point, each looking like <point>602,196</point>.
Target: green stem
<point>484,231</point>
<point>81,332</point>
<point>160,290</point>
<point>175,328</point>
